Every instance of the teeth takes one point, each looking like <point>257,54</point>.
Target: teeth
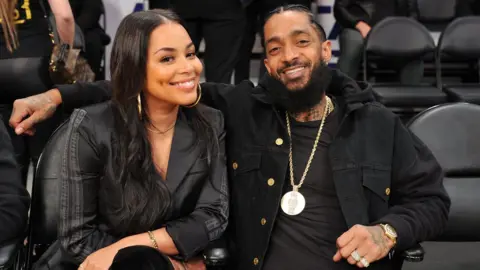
<point>294,70</point>
<point>188,84</point>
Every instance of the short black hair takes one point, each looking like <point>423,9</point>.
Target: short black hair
<point>302,9</point>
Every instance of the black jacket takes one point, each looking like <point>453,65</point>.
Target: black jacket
<point>382,172</point>
<point>89,199</point>
<point>14,198</point>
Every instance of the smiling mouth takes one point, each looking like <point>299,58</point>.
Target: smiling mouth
<point>293,70</point>
<point>185,84</point>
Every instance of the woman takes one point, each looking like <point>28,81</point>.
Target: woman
<point>25,49</point>
<point>148,167</point>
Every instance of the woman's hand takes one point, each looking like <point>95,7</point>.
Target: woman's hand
<point>100,260</point>
<point>193,264</point>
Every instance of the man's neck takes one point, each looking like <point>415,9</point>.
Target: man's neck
<point>313,114</point>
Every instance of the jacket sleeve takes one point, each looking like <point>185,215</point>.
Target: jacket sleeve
<point>83,94</point>
<point>193,233</point>
<point>419,204</point>
<point>14,198</point>
<point>343,15</point>
<point>81,172</point>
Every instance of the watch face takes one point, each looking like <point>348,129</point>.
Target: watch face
<point>390,231</point>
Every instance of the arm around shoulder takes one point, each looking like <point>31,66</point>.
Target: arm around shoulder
<point>419,203</point>
<point>83,94</point>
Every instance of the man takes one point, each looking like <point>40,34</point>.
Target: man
<point>357,17</point>
<point>255,11</point>
<point>14,198</point>
<point>352,184</point>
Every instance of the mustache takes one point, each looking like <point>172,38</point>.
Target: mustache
<point>293,63</point>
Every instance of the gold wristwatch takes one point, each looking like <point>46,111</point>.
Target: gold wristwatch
<point>389,232</point>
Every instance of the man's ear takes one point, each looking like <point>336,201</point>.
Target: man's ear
<point>327,51</point>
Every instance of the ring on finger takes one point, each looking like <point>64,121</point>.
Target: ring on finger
<point>364,262</point>
<point>355,256</point>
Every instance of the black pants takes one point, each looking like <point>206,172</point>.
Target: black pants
<point>19,78</point>
<point>223,38</point>
<point>255,14</point>
<point>140,258</point>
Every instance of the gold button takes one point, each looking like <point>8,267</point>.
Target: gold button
<point>255,261</point>
<point>263,221</point>
<point>271,182</point>
<point>235,165</point>
<point>279,141</point>
<point>387,191</point>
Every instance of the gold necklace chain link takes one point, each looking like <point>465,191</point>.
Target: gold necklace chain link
<point>328,110</point>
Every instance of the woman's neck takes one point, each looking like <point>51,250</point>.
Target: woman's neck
<point>162,115</point>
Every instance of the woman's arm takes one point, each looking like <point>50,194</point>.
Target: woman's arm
<point>64,20</point>
<point>81,172</point>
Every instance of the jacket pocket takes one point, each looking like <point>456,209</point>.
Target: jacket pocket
<point>246,162</point>
<point>378,182</point>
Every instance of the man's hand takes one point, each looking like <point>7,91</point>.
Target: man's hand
<point>31,110</point>
<point>363,28</point>
<point>370,242</point>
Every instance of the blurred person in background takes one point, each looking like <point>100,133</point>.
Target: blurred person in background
<point>25,49</point>
<point>14,198</point>
<point>357,17</point>
<point>153,4</point>
<point>87,14</point>
<point>255,13</point>
<point>221,23</point>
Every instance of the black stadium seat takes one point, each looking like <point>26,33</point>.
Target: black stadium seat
<point>399,39</point>
<point>461,40</point>
<point>452,133</point>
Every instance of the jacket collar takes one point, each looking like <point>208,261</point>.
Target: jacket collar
<point>353,94</point>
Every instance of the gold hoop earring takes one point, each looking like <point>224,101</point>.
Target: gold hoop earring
<point>139,100</point>
<point>199,96</point>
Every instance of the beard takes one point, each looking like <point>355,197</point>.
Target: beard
<point>301,99</point>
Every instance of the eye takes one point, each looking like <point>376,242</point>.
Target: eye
<point>274,50</point>
<point>167,59</point>
<point>191,55</point>
<point>303,42</point>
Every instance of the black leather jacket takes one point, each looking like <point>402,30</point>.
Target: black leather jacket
<point>199,193</point>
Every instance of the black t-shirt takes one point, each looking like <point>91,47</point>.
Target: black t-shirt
<point>32,30</point>
<point>308,241</point>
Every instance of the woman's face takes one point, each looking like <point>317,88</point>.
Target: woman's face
<point>173,69</point>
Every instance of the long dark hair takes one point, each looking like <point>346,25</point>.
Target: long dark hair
<point>7,8</point>
<point>145,201</point>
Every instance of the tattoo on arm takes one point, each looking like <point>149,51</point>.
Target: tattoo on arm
<point>379,240</point>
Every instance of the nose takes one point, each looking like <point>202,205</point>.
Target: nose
<point>186,66</point>
<point>290,54</point>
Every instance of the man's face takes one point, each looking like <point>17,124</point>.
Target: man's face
<point>293,49</point>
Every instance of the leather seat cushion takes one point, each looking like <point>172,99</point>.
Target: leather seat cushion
<point>409,96</point>
<point>466,92</point>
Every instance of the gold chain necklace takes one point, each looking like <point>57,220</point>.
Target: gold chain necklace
<point>157,131</point>
<point>293,202</point>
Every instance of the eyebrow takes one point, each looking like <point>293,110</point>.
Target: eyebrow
<point>293,33</point>
<point>169,49</point>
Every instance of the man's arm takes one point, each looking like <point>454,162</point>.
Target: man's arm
<point>14,198</point>
<point>34,109</point>
<point>419,202</point>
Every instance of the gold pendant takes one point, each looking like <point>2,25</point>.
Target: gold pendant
<point>293,203</point>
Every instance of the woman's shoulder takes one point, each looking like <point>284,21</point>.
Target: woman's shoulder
<point>213,116</point>
<point>95,116</point>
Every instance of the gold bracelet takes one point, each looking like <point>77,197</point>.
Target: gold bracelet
<point>152,239</point>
